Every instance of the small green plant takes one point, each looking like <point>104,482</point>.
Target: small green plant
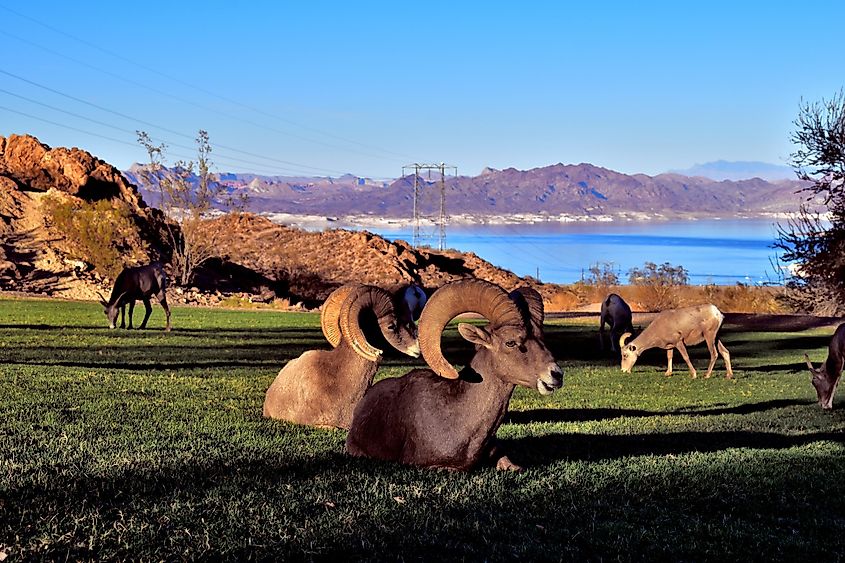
<point>96,232</point>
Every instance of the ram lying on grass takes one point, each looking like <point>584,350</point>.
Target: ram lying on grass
<point>322,387</point>
<point>441,418</point>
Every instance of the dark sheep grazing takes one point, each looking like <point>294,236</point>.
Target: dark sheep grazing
<point>322,387</point>
<point>617,315</point>
<point>137,284</point>
<point>826,378</point>
<point>441,418</point>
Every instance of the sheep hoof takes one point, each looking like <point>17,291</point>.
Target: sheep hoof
<point>505,464</point>
<point>694,375</point>
<point>668,374</point>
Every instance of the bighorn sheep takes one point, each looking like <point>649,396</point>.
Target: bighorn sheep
<point>441,418</point>
<point>322,387</point>
<point>134,284</point>
<point>679,328</point>
<point>826,378</point>
<point>617,314</point>
<point>413,299</point>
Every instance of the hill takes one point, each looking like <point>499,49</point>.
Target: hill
<point>741,170</point>
<point>40,254</point>
<point>573,191</point>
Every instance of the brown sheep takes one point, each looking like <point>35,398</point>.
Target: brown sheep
<point>441,418</point>
<point>322,387</point>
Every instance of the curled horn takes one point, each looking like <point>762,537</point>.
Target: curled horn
<point>363,297</point>
<point>330,315</point>
<point>623,338</point>
<point>809,363</point>
<point>529,300</point>
<point>465,296</point>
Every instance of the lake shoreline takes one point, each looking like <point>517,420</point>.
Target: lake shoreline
<point>318,222</point>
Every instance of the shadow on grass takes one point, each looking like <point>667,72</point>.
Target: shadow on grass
<point>585,415</point>
<point>543,450</point>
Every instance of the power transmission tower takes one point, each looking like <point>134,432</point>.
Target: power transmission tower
<point>442,217</point>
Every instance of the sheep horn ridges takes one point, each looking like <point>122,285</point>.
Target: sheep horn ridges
<point>330,315</point>
<point>531,302</point>
<point>623,338</point>
<point>465,296</point>
<point>363,297</point>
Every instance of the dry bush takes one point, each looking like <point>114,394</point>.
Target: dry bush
<point>565,299</point>
<point>742,298</point>
<point>738,298</point>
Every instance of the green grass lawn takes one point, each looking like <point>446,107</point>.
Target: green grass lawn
<point>146,445</point>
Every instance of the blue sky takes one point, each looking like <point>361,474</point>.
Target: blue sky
<point>326,87</point>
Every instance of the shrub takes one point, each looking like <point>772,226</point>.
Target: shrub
<point>659,284</point>
<point>97,232</point>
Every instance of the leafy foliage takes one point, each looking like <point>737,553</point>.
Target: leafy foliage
<point>813,244</point>
<point>97,232</point>
<point>659,284</point>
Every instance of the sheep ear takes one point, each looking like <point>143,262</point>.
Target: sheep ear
<point>475,334</point>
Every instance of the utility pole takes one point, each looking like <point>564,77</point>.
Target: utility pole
<point>442,217</point>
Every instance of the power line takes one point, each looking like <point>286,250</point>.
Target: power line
<point>162,128</point>
<point>216,95</point>
<point>133,133</point>
<point>127,143</point>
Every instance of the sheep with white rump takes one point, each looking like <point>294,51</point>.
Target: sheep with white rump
<point>677,329</point>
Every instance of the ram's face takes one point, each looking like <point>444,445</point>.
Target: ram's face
<point>401,334</point>
<point>515,356</point>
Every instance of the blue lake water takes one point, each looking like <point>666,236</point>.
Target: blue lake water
<point>712,251</point>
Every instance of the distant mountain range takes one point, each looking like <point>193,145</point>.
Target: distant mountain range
<point>739,170</point>
<point>581,190</point>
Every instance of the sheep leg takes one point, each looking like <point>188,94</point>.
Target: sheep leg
<point>683,350</point>
<point>149,309</point>
<point>497,455</point>
<point>123,316</point>
<point>601,336</point>
<point>727,357</point>
<point>162,298</point>
<point>669,353</point>
<point>131,310</point>
<point>711,346</point>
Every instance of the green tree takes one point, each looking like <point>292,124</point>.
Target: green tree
<point>814,242</point>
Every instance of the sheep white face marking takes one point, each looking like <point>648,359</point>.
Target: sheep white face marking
<point>629,357</point>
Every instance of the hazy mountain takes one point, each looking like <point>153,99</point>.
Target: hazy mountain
<point>739,170</point>
<point>582,189</point>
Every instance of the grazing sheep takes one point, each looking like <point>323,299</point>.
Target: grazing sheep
<point>679,328</point>
<point>322,387</point>
<point>441,418</point>
<point>133,284</point>
<point>617,314</point>
<point>826,378</point>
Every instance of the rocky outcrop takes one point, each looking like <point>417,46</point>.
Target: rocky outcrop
<point>36,167</point>
<point>34,254</point>
<point>309,265</point>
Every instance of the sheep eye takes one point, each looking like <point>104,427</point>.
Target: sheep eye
<point>510,343</point>
<point>391,326</point>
